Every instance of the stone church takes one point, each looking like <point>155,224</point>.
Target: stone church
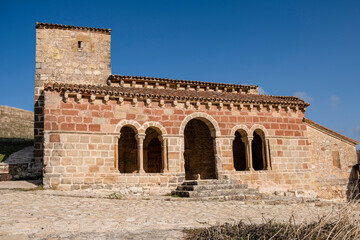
<point>94,129</point>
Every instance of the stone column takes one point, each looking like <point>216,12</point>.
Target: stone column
<point>263,152</point>
<point>116,153</point>
<point>249,165</point>
<point>164,154</point>
<point>140,153</point>
<point>267,150</point>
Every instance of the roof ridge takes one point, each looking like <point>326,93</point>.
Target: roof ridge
<point>311,122</point>
<point>117,76</point>
<point>61,26</point>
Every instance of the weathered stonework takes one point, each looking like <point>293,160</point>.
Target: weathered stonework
<point>16,123</point>
<point>176,129</point>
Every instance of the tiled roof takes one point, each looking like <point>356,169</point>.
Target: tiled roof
<point>172,94</point>
<point>60,26</point>
<point>329,131</point>
<point>167,80</point>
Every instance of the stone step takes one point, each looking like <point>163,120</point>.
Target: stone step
<point>211,193</point>
<point>208,182</point>
<point>211,187</point>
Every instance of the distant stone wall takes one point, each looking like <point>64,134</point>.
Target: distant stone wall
<point>16,123</point>
<point>332,162</point>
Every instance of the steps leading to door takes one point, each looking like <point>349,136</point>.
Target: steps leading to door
<point>216,189</point>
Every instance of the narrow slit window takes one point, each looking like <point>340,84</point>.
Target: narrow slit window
<point>79,44</point>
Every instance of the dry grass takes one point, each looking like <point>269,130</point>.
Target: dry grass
<point>340,224</point>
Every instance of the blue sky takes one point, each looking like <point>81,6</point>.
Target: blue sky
<point>306,48</point>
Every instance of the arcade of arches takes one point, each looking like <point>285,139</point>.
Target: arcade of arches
<point>147,153</point>
<point>251,153</point>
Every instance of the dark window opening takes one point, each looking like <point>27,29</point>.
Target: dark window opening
<point>127,150</point>
<point>239,153</point>
<point>79,44</point>
<point>257,152</point>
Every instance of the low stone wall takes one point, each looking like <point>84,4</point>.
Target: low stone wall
<point>16,123</point>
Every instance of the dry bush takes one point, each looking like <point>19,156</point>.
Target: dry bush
<point>341,224</point>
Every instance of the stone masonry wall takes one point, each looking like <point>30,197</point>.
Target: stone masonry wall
<point>332,161</point>
<point>81,138</point>
<point>80,56</point>
<point>16,123</point>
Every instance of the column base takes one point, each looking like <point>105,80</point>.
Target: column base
<point>141,171</point>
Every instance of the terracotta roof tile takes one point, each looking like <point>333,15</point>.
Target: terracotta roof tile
<point>168,80</point>
<point>172,94</point>
<point>321,127</point>
<point>60,26</point>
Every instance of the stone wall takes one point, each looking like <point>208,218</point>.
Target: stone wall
<point>332,162</point>
<point>16,123</point>
<point>81,141</point>
<point>71,55</point>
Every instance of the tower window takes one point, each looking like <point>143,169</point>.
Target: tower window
<point>79,44</point>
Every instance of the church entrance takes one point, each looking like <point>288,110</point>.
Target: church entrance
<point>199,151</point>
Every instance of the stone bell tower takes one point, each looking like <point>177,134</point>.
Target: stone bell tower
<point>67,54</point>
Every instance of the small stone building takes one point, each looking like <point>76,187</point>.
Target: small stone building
<point>95,130</point>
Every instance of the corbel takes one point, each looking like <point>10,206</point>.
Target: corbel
<point>121,101</point>
<point>187,104</point>
<point>209,105</point>
<point>134,101</point>
<point>66,97</point>
<point>148,102</point>
<point>78,98</point>
<point>106,99</point>
<point>92,98</point>
<point>161,102</point>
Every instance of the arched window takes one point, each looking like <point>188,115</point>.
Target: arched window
<point>127,150</point>
<point>258,150</point>
<point>239,150</point>
<point>152,151</point>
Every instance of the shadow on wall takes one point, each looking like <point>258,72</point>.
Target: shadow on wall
<point>353,187</point>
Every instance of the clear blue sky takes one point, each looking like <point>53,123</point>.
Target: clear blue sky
<point>306,48</point>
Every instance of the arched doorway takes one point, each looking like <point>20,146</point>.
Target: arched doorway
<point>199,151</point>
<point>152,152</point>
<point>127,150</point>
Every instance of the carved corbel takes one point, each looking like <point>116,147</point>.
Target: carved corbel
<point>221,105</point>
<point>134,101</point>
<point>187,104</point>
<point>162,103</point>
<point>106,99</point>
<point>209,105</point>
<point>66,97</point>
<point>92,98</point>
<point>197,105</point>
<point>148,102</point>
<point>78,98</point>
<point>175,103</point>
<point>121,101</point>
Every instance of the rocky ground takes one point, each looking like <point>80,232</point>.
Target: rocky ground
<point>48,214</point>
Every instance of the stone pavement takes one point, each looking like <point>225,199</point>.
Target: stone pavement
<point>48,214</point>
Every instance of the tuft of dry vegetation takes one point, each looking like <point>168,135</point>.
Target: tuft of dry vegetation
<point>340,224</point>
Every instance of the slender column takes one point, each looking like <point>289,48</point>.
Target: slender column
<point>263,152</point>
<point>164,154</point>
<point>140,153</point>
<point>249,154</point>
<point>267,149</point>
<point>233,156</point>
<point>116,152</point>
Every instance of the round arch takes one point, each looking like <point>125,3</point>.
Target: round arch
<point>129,123</point>
<point>206,118</point>
<point>242,128</point>
<point>154,125</point>
<point>256,127</point>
